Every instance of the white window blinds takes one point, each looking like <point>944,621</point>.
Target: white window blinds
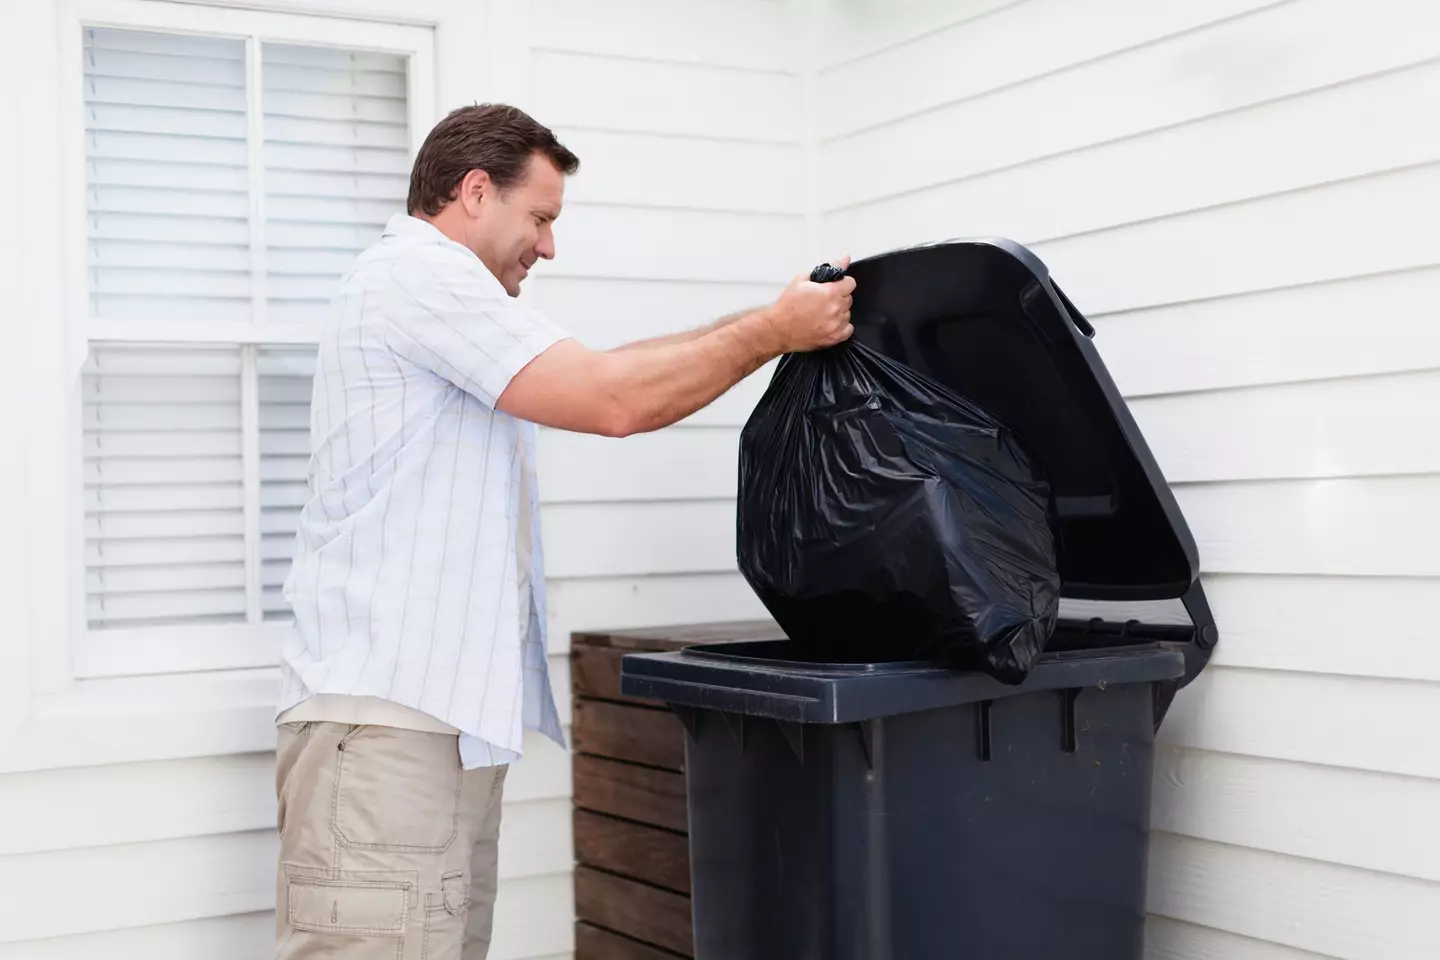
<point>230,183</point>
<point>164,486</point>
<point>168,193</point>
<point>336,167</point>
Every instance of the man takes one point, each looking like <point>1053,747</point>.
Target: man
<point>418,655</point>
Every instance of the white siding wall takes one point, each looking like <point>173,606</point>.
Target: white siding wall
<point>1242,196</point>
<point>687,117</point>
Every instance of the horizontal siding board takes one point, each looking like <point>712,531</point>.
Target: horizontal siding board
<point>1367,426</point>
<point>1172,940</point>
<point>847,40</point>
<point>1384,726</point>
<point>1355,626</point>
<point>617,602</point>
<point>744,34</point>
<point>1332,910</point>
<point>1361,527</point>
<point>217,875</point>
<point>1303,810</point>
<point>57,809</point>
<point>719,247</point>
<point>1302,431</point>
<point>631,539</point>
<point>529,916</point>
<point>1350,527</point>
<point>648,170</point>
<point>1355,228</point>
<point>243,936</point>
<point>606,312</point>
<point>1351,327</point>
<point>1281,51</point>
<point>677,463</point>
<point>1002,50</point>
<point>520,933</point>
<point>581,90</point>
<point>1326,135</point>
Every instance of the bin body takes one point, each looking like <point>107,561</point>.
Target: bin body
<point>952,817</point>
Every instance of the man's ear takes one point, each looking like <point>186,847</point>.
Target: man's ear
<point>475,186</point>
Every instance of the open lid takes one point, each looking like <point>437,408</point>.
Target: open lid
<point>984,318</point>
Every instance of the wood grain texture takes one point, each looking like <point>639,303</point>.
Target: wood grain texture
<point>637,910</point>
<point>655,797</point>
<point>638,734</point>
<point>595,673</point>
<point>597,943</point>
<point>674,637</point>
<point>658,857</point>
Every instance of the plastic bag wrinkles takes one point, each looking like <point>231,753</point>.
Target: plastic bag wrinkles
<point>881,516</point>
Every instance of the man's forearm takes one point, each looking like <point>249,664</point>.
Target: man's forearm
<point>684,336</point>
<point>668,382</point>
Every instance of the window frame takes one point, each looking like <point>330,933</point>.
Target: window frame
<point>147,651</point>
<point>49,718</point>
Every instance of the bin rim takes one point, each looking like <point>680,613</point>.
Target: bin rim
<point>719,677</point>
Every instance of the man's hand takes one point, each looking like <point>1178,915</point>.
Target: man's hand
<point>812,316</point>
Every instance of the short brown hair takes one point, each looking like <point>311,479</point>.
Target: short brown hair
<point>493,137</point>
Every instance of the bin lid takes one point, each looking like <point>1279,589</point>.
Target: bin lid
<point>985,318</point>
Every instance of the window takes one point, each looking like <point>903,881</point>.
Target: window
<point>230,181</point>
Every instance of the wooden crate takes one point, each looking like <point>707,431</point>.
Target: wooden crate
<point>632,859</point>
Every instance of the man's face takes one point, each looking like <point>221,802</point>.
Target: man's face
<point>512,228</point>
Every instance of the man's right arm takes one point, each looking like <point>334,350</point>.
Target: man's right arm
<point>623,392</point>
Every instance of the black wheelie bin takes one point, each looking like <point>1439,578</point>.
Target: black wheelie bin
<point>847,803</point>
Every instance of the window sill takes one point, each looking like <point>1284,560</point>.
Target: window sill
<point>133,719</point>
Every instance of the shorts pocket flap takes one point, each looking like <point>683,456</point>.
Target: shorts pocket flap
<point>338,906</point>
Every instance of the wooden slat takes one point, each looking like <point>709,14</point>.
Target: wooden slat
<point>639,734</point>
<point>595,673</point>
<point>646,913</point>
<point>597,943</point>
<point>658,857</point>
<point>636,793</point>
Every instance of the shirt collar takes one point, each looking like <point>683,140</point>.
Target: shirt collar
<point>404,225</point>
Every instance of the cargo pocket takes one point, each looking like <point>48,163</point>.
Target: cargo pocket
<point>397,790</point>
<point>445,918</point>
<point>364,921</point>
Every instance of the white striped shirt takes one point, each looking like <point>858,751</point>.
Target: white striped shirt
<point>406,583</point>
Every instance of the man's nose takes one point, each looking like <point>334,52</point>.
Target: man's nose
<point>545,249</point>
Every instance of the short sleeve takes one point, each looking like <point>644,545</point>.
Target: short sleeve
<point>448,315</point>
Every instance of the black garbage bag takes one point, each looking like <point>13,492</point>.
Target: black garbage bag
<point>880,512</point>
